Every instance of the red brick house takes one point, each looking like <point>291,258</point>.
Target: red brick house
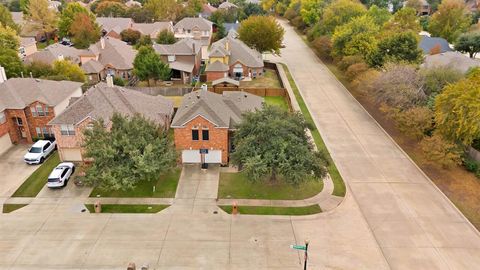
<point>205,122</point>
<point>27,105</point>
<point>100,102</point>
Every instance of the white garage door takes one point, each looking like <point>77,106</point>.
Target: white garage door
<point>213,156</point>
<point>71,154</point>
<point>5,143</point>
<point>191,156</point>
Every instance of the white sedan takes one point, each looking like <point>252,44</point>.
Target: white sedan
<point>60,175</point>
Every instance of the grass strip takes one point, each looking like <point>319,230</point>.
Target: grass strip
<point>274,210</point>
<point>35,182</point>
<point>129,208</point>
<point>277,101</point>
<point>8,208</point>
<point>338,184</point>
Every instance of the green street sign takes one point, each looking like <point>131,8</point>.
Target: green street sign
<point>298,247</point>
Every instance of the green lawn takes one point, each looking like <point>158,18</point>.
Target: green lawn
<point>339,186</point>
<point>237,186</point>
<point>165,187</point>
<point>129,208</point>
<point>8,208</point>
<point>269,79</point>
<point>35,182</point>
<point>277,101</point>
<point>273,210</point>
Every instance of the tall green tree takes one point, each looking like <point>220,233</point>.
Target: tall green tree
<point>111,9</point>
<point>70,70</point>
<point>12,63</point>
<point>399,47</point>
<point>262,33</point>
<point>6,19</point>
<point>451,20</point>
<point>469,43</point>
<point>457,110</point>
<point>358,37</point>
<point>130,36</point>
<point>41,16</point>
<point>271,143</point>
<point>148,65</point>
<point>403,20</point>
<point>163,9</point>
<point>166,37</point>
<point>311,11</point>
<point>68,15</point>
<point>379,15</point>
<point>340,12</point>
<point>9,38</point>
<point>134,150</point>
<point>84,30</point>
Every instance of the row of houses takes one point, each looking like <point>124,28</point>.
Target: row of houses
<point>34,109</point>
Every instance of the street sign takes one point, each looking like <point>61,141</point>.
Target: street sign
<point>298,247</point>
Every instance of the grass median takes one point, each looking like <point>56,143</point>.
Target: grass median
<point>274,210</point>
<point>8,208</point>
<point>37,180</point>
<point>129,208</point>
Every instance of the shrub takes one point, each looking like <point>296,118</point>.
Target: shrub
<point>290,14</point>
<point>440,151</point>
<point>299,23</point>
<point>119,81</point>
<point>348,61</point>
<point>414,122</point>
<point>471,165</point>
<point>476,144</point>
<point>355,70</point>
<point>323,46</point>
<point>363,83</point>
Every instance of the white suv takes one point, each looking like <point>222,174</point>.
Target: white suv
<point>60,175</point>
<point>39,152</point>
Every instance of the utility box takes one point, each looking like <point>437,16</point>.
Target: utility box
<point>98,207</point>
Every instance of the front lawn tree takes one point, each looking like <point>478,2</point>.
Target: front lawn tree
<point>262,33</point>
<point>451,20</point>
<point>398,47</point>
<point>166,37</point>
<point>271,144</point>
<point>133,150</point>
<point>68,16</point>
<point>130,36</point>
<point>469,43</point>
<point>84,30</point>
<point>148,65</point>
<point>41,16</point>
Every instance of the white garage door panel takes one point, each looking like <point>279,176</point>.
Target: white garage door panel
<point>5,143</point>
<point>71,155</point>
<point>213,156</point>
<point>191,156</point>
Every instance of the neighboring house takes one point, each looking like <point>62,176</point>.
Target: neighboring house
<point>183,57</point>
<point>112,27</point>
<point>455,60</point>
<point>199,29</point>
<point>55,52</point>
<point>427,44</point>
<point>132,3</point>
<point>231,26</point>
<point>27,105</point>
<point>26,31</point>
<point>205,122</point>
<point>231,57</point>
<point>207,10</point>
<point>473,5</point>
<point>28,46</point>
<point>153,29</point>
<point>101,102</point>
<point>227,5</point>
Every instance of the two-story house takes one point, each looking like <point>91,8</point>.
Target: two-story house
<point>27,105</point>
<point>101,102</point>
<point>199,29</point>
<point>112,27</point>
<point>230,57</point>
<point>205,122</point>
<point>183,57</point>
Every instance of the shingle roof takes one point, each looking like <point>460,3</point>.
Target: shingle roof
<point>116,53</point>
<point>217,66</point>
<point>17,93</point>
<point>117,24</point>
<point>226,80</point>
<point>239,52</point>
<point>227,5</point>
<point>189,23</point>
<point>54,51</point>
<point>152,28</point>
<point>427,43</point>
<point>455,60</point>
<point>27,41</point>
<point>18,18</point>
<point>101,102</point>
<point>92,66</point>
<point>182,47</point>
<point>208,9</point>
<point>224,111</point>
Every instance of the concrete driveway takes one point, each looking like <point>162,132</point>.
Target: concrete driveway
<point>13,170</point>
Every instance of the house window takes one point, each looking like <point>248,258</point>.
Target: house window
<point>39,131</point>
<point>34,112</point>
<point>40,111</point>
<point>194,134</point>
<point>171,58</point>
<point>68,130</point>
<point>46,110</point>
<point>45,132</point>
<point>205,135</point>
<point>3,118</point>
<point>18,121</point>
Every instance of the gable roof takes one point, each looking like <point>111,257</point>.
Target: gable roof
<point>101,102</point>
<point>185,46</point>
<point>208,9</point>
<point>56,51</point>
<point>226,80</point>
<point>455,60</point>
<point>152,28</point>
<point>217,66</point>
<point>189,23</point>
<point>18,93</point>
<point>227,5</point>
<point>238,51</point>
<point>27,41</point>
<point>92,67</point>
<point>428,43</point>
<point>223,110</point>
<point>117,24</point>
<point>116,53</point>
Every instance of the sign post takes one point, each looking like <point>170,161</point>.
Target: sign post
<point>305,249</point>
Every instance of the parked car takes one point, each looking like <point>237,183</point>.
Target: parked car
<point>39,151</point>
<point>60,175</point>
<point>66,42</point>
